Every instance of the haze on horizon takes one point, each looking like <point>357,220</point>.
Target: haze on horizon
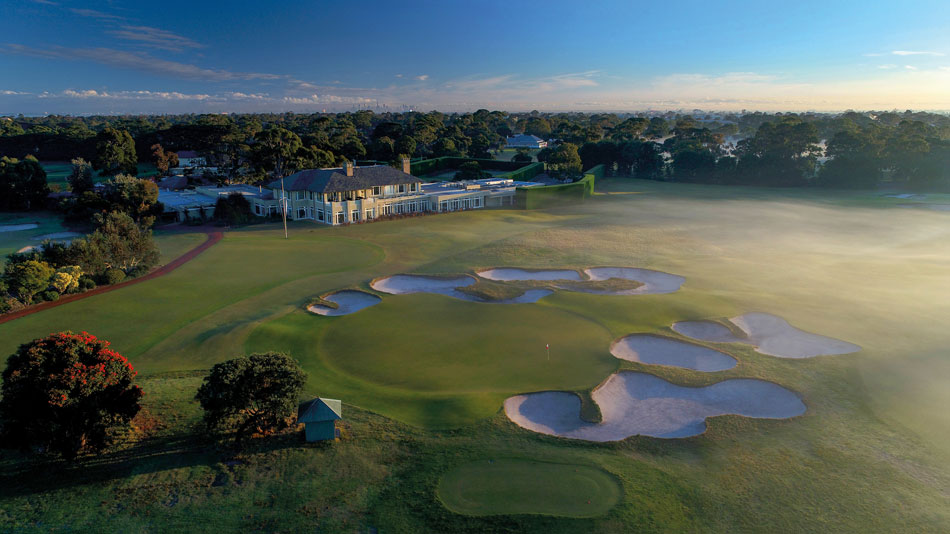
<point>67,57</point>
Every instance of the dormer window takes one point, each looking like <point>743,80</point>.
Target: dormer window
<point>376,190</point>
<point>402,188</point>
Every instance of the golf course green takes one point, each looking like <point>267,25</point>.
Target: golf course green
<point>423,377</point>
<point>520,486</point>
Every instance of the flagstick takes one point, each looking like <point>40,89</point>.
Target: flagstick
<point>548,347</point>
<point>283,201</point>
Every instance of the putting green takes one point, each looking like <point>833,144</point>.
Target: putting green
<point>433,343</point>
<point>516,486</point>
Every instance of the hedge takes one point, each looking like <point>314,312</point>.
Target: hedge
<point>531,198</point>
<point>517,169</point>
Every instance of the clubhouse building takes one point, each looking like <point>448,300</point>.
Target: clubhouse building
<point>359,194</point>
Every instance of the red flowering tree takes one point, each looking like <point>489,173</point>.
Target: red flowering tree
<point>67,393</point>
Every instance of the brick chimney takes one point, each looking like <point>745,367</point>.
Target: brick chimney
<point>406,166</point>
<point>348,167</point>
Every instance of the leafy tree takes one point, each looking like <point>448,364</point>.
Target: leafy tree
<point>470,170</point>
<point>117,243</point>
<point>406,145</point>
<point>781,153</point>
<point>256,393</point>
<point>67,393</point>
<point>523,156</point>
<point>135,196</point>
<point>276,150</point>
<point>563,161</point>
<point>22,184</point>
<point>162,159</point>
<point>445,147</point>
<point>115,153</point>
<point>27,278</point>
<point>80,177</point>
<point>384,149</point>
<point>232,209</point>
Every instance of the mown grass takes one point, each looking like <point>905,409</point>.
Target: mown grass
<point>523,486</point>
<point>10,242</point>
<point>868,456</point>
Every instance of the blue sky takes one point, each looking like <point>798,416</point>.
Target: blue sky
<point>61,56</point>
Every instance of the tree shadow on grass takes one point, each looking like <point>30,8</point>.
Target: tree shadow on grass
<point>24,474</point>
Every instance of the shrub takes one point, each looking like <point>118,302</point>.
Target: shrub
<point>138,271</point>
<point>86,283</point>
<point>66,393</point>
<point>114,276</point>
<point>50,295</point>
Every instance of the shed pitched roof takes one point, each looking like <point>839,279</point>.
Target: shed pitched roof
<point>336,180</point>
<point>320,409</point>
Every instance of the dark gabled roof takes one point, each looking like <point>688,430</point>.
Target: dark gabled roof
<point>320,409</point>
<point>336,180</point>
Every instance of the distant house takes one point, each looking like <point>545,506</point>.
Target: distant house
<point>189,159</point>
<point>319,417</point>
<point>173,183</point>
<point>526,141</point>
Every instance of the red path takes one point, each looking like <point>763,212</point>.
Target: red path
<point>213,237</point>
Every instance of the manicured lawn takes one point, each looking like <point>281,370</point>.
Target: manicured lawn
<point>47,223</point>
<point>57,173</point>
<point>423,376</point>
<point>520,486</point>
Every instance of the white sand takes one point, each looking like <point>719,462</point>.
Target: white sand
<point>347,301</point>
<point>511,275</point>
<point>402,284</point>
<point>654,282</point>
<point>16,227</point>
<point>707,331</point>
<point>656,350</point>
<point>774,336</point>
<point>642,404</point>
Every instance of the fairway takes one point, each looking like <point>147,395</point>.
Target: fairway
<point>520,486</point>
<point>424,377</point>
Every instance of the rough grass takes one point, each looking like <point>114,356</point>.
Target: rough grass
<point>523,486</point>
<point>868,456</point>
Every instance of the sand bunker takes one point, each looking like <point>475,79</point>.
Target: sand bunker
<point>774,336</point>
<point>654,282</point>
<point>656,350</point>
<point>642,404</point>
<point>57,235</point>
<point>402,284</point>
<point>347,301</point>
<point>513,275</point>
<point>707,331</point>
<point>17,227</point>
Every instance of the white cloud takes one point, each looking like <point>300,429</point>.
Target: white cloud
<point>155,38</point>
<point>910,67</point>
<point>126,95</point>
<point>916,53</point>
<point>326,99</point>
<point>82,12</point>
<point>888,66</point>
<point>7,92</point>
<point>422,77</point>
<point>138,61</point>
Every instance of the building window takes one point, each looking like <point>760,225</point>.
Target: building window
<point>412,187</point>
<point>369,214</point>
<point>339,218</point>
<point>376,190</point>
<point>476,202</point>
<point>301,195</point>
<point>301,213</point>
<point>319,215</point>
<point>402,188</point>
<point>443,206</point>
<point>355,216</point>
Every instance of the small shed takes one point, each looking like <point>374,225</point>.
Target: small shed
<point>318,417</point>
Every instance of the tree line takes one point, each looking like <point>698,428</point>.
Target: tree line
<point>843,150</point>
